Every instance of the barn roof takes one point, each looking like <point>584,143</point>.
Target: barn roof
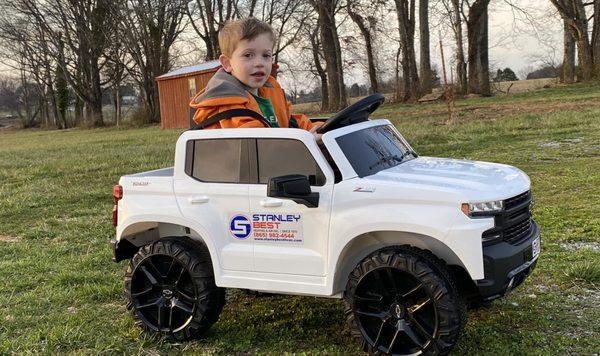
<point>181,72</point>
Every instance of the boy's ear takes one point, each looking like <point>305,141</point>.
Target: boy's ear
<point>225,63</point>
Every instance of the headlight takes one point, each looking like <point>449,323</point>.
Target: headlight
<point>470,209</point>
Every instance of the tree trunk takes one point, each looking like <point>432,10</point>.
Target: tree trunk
<point>62,96</point>
<point>424,59</point>
<point>397,72</point>
<point>584,54</point>
<point>78,111</point>
<point>568,69</point>
<point>26,102</point>
<point>89,116</point>
<point>461,65</point>
<point>405,10</point>
<point>95,101</point>
<point>584,49</point>
<point>596,39</point>
<point>117,103</point>
<point>155,106</point>
<point>477,30</point>
<point>42,107</point>
<point>339,67</point>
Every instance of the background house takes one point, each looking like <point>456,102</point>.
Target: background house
<point>177,88</point>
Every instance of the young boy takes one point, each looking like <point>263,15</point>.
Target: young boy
<point>244,81</point>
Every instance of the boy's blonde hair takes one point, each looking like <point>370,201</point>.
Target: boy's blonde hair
<point>245,29</point>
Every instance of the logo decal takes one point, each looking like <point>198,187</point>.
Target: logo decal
<point>240,227</point>
<point>364,189</point>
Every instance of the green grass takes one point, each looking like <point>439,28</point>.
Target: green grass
<point>588,271</point>
<point>62,294</point>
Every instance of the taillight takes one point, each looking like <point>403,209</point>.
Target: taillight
<point>117,195</point>
<point>117,192</point>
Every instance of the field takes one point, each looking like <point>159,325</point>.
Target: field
<point>61,293</point>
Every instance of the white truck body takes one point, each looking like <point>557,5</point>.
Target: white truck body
<point>417,202</point>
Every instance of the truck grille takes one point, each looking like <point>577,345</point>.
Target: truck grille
<point>513,224</point>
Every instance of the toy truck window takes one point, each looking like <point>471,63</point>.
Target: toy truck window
<point>218,160</point>
<point>373,149</point>
<point>278,157</point>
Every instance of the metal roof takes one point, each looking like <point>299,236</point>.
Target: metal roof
<point>190,69</point>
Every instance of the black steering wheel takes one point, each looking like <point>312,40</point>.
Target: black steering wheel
<point>355,113</point>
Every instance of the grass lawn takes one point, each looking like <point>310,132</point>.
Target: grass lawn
<point>61,293</point>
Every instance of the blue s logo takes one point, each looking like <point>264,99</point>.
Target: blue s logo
<point>240,227</point>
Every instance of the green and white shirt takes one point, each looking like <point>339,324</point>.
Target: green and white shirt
<point>267,110</point>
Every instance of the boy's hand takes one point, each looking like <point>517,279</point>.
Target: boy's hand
<point>313,131</point>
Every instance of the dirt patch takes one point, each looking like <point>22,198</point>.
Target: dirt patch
<point>4,238</point>
<point>9,122</point>
<point>557,144</point>
<point>576,246</point>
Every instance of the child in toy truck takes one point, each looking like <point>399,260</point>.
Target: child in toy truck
<point>244,82</point>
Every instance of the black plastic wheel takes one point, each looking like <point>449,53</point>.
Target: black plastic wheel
<point>171,290</point>
<point>403,301</point>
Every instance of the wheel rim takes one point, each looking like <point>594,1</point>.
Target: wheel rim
<point>395,311</point>
<point>163,293</point>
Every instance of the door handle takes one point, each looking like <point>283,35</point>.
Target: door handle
<point>198,199</point>
<point>271,203</point>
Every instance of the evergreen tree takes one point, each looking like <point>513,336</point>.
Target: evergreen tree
<point>506,75</point>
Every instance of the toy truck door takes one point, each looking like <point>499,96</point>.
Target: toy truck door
<point>290,238</point>
<point>214,193</point>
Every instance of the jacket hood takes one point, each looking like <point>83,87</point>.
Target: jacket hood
<point>223,85</point>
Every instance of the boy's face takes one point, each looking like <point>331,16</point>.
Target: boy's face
<point>251,61</point>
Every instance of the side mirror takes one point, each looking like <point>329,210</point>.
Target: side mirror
<point>295,187</point>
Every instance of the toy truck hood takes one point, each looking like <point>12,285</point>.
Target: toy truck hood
<point>474,180</point>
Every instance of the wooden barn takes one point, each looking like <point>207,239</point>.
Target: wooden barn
<point>177,88</point>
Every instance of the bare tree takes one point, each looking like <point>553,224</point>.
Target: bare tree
<point>117,62</point>
<point>367,29</point>
<point>317,53</point>
<point>477,31</point>
<point>286,17</point>
<point>456,16</point>
<point>330,42</point>
<point>207,18</point>
<point>405,10</point>
<point>25,46</point>
<point>574,14</point>
<point>149,30</point>
<point>83,26</point>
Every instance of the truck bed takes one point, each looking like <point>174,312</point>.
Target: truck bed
<point>163,172</point>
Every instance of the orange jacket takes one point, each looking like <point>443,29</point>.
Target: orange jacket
<point>224,92</point>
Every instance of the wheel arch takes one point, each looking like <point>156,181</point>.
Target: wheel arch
<point>366,243</point>
<point>136,233</point>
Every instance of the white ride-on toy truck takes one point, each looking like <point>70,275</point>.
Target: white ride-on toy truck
<point>406,241</point>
